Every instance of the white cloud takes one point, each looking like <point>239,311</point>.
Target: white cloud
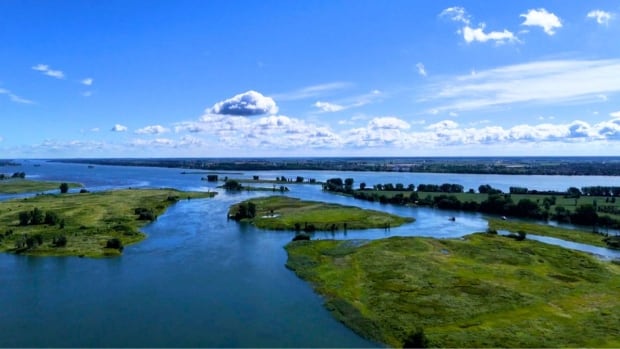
<point>246,104</point>
<point>443,125</point>
<point>478,34</point>
<point>388,122</point>
<point>45,69</point>
<point>535,82</point>
<point>328,107</point>
<point>602,17</point>
<point>541,18</point>
<point>460,15</point>
<point>15,98</point>
<point>457,14</point>
<point>421,69</point>
<point>312,91</point>
<point>119,128</point>
<point>87,81</point>
<point>615,114</point>
<point>152,130</point>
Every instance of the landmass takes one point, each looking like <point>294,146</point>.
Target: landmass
<point>483,290</point>
<point>286,213</point>
<point>86,224</point>
<point>593,208</point>
<point>20,185</point>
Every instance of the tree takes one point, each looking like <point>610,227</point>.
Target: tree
<point>232,184</point>
<point>37,216</point>
<point>362,186</point>
<point>64,188</point>
<point>24,218</point>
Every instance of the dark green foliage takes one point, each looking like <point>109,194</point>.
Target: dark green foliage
<point>300,237</point>
<point>232,184</point>
<point>145,214</point>
<point>38,217</point>
<point>64,188</point>
<point>212,178</point>
<point>416,339</point>
<point>51,218</point>
<point>24,218</point>
<point>59,241</point>
<point>299,179</point>
<point>114,243</point>
<point>573,192</point>
<point>84,191</point>
<point>585,215</point>
<point>245,210</point>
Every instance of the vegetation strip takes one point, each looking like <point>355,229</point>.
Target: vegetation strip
<point>286,213</point>
<point>86,224</point>
<point>482,291</point>
<point>20,185</point>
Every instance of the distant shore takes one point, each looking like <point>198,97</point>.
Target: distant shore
<point>565,166</point>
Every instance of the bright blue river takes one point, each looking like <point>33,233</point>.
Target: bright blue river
<point>199,280</point>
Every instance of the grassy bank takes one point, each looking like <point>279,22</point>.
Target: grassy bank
<point>283,213</point>
<point>483,291</point>
<point>86,221</point>
<point>19,185</point>
<point>580,236</point>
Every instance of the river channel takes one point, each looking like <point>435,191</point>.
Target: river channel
<point>200,280</point>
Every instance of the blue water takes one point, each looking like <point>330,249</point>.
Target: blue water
<point>199,280</point>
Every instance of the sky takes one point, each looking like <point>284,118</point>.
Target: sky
<point>85,79</point>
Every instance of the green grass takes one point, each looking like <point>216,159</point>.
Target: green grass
<point>19,185</point>
<point>580,236</point>
<point>90,219</point>
<point>282,212</point>
<point>482,291</point>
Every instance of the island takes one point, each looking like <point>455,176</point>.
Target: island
<point>83,224</point>
<point>287,213</point>
<point>485,290</point>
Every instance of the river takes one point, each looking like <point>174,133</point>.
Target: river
<point>200,280</point>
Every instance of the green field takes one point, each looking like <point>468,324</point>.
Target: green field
<point>283,212</point>
<point>18,185</point>
<point>481,291</point>
<point>87,221</point>
<point>580,236</point>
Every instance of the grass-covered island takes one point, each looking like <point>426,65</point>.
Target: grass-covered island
<point>481,291</point>
<point>286,213</point>
<point>21,185</point>
<point>85,224</point>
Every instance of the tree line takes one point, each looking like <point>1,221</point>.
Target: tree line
<point>496,202</point>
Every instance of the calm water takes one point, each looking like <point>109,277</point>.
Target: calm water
<point>199,280</point>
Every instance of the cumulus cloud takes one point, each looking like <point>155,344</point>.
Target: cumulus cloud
<point>421,69</point>
<point>328,107</point>
<point>388,122</point>
<point>152,130</point>
<point>541,18</point>
<point>46,70</point>
<point>601,17</point>
<point>470,34</point>
<point>87,81</point>
<point>443,125</point>
<point>615,114</point>
<point>246,104</point>
<point>534,82</point>
<point>478,34</point>
<point>119,128</point>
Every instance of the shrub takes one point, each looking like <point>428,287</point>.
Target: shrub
<point>59,241</point>
<point>114,243</point>
<point>416,339</point>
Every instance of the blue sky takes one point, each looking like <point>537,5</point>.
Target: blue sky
<point>308,78</point>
